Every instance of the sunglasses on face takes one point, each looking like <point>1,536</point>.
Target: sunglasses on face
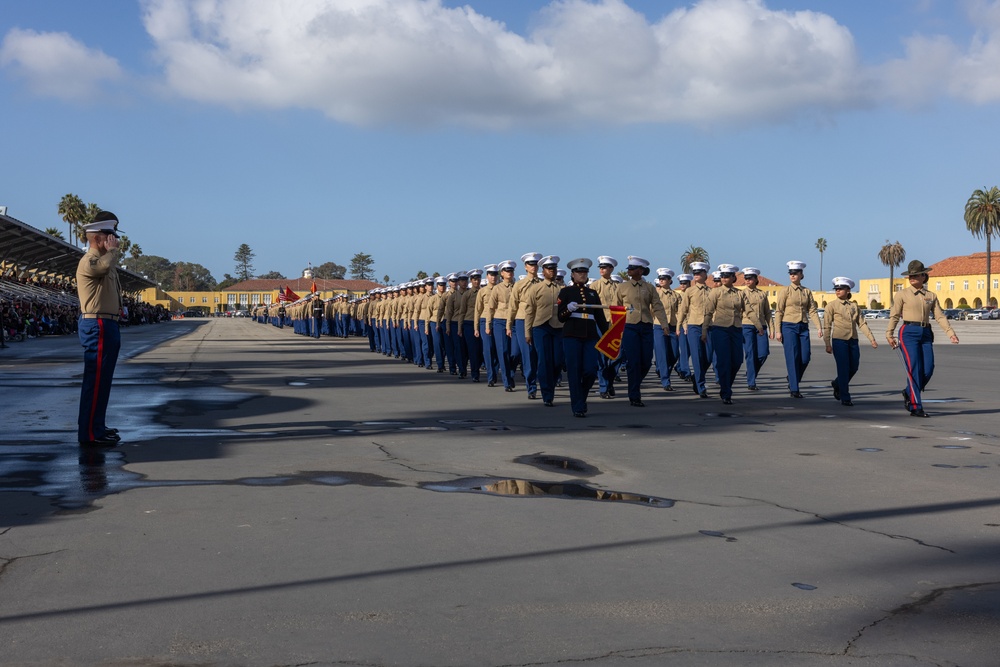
<point>531,263</point>
<point>581,270</point>
<point>728,275</point>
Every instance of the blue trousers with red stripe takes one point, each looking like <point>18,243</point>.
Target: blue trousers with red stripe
<point>101,342</point>
<point>917,344</point>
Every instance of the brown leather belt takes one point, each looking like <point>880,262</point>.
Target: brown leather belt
<point>98,316</point>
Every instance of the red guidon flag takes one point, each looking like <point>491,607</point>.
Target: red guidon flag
<point>610,344</point>
<point>314,290</point>
<point>290,295</point>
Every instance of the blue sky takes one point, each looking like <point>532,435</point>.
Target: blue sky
<point>440,136</point>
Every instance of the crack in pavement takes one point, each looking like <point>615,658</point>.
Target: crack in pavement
<point>392,458</point>
<point>654,651</point>
<point>847,525</point>
<point>10,561</point>
<point>913,607</point>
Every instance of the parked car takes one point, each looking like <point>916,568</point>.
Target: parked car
<point>953,313</point>
<point>191,313</point>
<point>977,314</point>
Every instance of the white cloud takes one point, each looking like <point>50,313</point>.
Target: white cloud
<point>54,64</point>
<point>417,62</point>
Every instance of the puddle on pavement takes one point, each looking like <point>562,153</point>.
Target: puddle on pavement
<point>904,437</point>
<point>804,587</point>
<point>952,447</point>
<point>298,384</point>
<point>946,400</point>
<point>526,488</point>
<point>490,428</point>
<point>559,463</point>
<point>468,422</point>
<point>869,449</point>
<point>385,423</point>
<point>942,465</point>
<point>74,478</point>
<point>723,415</point>
<point>424,428</point>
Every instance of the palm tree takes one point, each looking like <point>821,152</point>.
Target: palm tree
<point>71,211</point>
<point>982,218</point>
<point>821,246</point>
<point>693,254</point>
<point>52,231</point>
<point>891,255</point>
<point>89,213</point>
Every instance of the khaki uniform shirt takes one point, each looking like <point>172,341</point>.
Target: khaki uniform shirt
<point>469,304</point>
<point>97,283</point>
<point>693,304</point>
<point>794,305</point>
<point>842,320</point>
<point>542,305</point>
<point>644,301</point>
<point>913,305</point>
<point>671,301</point>
<point>497,306</point>
<point>482,298</point>
<point>726,307</point>
<point>515,305</point>
<point>607,289</point>
<point>452,300</point>
<point>756,300</point>
<point>435,310</point>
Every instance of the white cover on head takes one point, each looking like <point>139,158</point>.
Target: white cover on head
<point>507,264</point>
<point>685,278</point>
<point>699,266</point>
<point>607,259</point>
<point>638,261</point>
<point>751,271</point>
<point>578,263</point>
<point>531,257</point>
<point>728,268</point>
<point>664,273</point>
<point>549,260</point>
<point>841,280</point>
<point>796,265</point>
<point>491,268</point>
<point>475,272</point>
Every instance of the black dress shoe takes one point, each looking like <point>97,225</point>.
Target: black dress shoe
<point>491,384</point>
<point>440,370</point>
<point>461,376</point>
<point>668,388</point>
<point>509,389</point>
<point>475,379</point>
<point>106,440</point>
<point>753,387</point>
<point>703,394</point>
<point>605,394</point>
<point>727,401</point>
<point>532,395</point>
<point>836,390</point>
<point>849,404</point>
<point>580,414</point>
<point>611,390</point>
<point>906,401</point>
<point>918,413</point>
<point>110,430</point>
<point>795,394</point>
<point>547,404</point>
<point>637,404</point>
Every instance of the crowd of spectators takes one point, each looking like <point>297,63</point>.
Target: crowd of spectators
<point>36,307</point>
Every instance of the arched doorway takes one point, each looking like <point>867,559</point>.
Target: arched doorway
<point>948,303</point>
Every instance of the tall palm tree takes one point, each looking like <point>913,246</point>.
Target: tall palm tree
<point>982,218</point>
<point>693,254</point>
<point>89,213</point>
<point>891,255</point>
<point>71,210</point>
<point>52,231</point>
<point>821,246</point>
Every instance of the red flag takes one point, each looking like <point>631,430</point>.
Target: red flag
<point>610,344</point>
<point>314,290</point>
<point>290,295</point>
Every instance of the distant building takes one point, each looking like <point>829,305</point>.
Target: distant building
<point>959,282</point>
<point>250,293</point>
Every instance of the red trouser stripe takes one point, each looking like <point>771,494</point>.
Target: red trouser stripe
<point>97,377</point>
<point>909,366</point>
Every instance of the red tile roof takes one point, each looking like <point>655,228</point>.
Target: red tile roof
<point>964,265</point>
<point>302,286</point>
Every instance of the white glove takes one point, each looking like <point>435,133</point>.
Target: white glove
<point>573,306</point>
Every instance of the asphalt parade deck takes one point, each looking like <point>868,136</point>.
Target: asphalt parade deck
<point>279,500</point>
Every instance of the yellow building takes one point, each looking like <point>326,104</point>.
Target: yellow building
<point>959,282</point>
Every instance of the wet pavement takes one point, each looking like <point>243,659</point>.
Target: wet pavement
<point>278,500</point>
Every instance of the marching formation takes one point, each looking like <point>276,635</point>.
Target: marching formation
<point>592,329</point>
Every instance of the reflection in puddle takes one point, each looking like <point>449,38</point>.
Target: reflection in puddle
<point>386,423</point>
<point>468,422</point>
<point>536,489</point>
<point>805,587</point>
<point>942,465</point>
<point>951,447</point>
<point>869,449</point>
<point>424,428</point>
<point>547,462</point>
<point>724,415</point>
<point>490,428</point>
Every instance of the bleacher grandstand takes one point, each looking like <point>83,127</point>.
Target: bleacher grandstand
<point>38,284</point>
